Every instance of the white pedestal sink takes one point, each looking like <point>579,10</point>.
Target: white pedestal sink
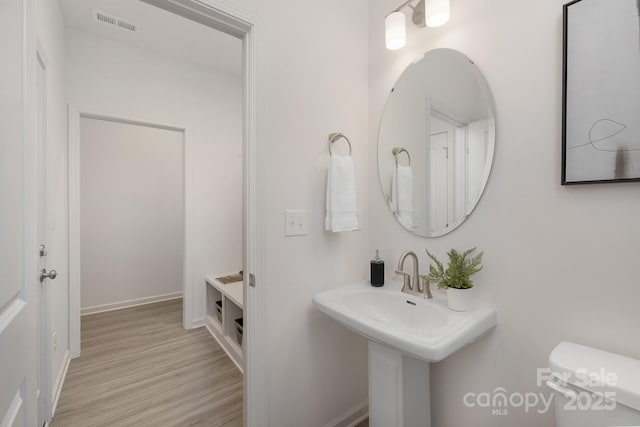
<point>405,334</point>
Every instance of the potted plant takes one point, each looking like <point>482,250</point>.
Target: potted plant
<point>456,278</point>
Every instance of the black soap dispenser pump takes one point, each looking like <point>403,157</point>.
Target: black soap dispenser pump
<point>377,271</point>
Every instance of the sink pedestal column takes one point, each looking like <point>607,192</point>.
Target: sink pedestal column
<point>398,388</point>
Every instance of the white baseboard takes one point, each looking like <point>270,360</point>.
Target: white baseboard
<point>129,303</point>
<point>57,390</point>
<point>224,347</point>
<point>352,417</point>
<point>360,419</point>
<point>198,323</point>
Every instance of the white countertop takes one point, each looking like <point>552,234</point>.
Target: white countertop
<point>234,291</point>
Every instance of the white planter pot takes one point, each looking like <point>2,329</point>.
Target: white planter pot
<point>460,299</point>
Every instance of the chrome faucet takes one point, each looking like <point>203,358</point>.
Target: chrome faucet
<point>413,287</point>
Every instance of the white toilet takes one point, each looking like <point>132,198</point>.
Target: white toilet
<point>594,388</point>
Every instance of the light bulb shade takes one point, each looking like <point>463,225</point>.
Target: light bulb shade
<point>395,30</point>
<point>437,12</point>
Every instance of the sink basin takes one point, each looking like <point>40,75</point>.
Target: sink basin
<point>425,329</point>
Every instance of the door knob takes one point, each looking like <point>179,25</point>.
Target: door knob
<point>50,275</point>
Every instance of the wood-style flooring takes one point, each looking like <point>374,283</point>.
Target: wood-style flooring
<point>139,367</point>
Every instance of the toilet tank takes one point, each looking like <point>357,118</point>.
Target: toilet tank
<point>594,388</point>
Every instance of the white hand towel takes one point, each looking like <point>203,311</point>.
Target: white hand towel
<point>341,195</point>
<point>402,195</point>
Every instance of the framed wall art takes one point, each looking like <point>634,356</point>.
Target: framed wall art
<point>601,92</point>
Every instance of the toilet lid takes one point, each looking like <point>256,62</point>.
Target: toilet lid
<point>597,371</point>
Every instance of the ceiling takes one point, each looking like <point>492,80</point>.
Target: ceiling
<point>157,30</point>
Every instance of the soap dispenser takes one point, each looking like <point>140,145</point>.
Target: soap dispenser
<point>377,271</point>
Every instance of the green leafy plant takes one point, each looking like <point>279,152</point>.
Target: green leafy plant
<point>459,271</point>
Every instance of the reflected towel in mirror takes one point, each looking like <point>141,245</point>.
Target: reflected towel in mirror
<point>342,214</point>
<point>402,195</point>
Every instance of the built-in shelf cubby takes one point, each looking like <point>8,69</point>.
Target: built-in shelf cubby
<point>214,298</point>
<point>225,315</point>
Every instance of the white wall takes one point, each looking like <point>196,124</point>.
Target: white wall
<point>313,81</point>
<point>560,262</point>
<point>131,213</point>
<point>50,30</point>
<point>117,80</point>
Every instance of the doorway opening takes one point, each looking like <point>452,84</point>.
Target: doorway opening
<point>239,24</point>
<point>131,213</point>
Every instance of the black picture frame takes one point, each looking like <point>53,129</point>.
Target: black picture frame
<point>601,92</point>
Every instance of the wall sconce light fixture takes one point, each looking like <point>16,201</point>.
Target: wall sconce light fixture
<point>437,12</point>
<point>430,13</point>
<point>395,30</point>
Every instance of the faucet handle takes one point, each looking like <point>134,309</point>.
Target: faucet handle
<point>426,286</point>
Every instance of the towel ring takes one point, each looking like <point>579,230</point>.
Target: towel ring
<point>399,150</point>
<point>333,137</point>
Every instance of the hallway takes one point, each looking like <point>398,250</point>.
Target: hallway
<point>140,367</point>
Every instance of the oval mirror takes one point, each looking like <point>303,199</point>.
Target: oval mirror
<point>436,143</point>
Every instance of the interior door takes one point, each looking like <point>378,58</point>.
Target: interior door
<point>17,323</point>
<point>442,170</point>
<point>439,183</point>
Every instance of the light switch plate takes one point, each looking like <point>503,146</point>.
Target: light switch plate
<point>295,223</point>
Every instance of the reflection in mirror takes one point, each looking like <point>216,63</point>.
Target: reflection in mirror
<point>436,143</point>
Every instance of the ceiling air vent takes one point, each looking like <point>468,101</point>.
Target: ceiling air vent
<point>126,25</point>
<point>112,20</point>
<point>107,19</point>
